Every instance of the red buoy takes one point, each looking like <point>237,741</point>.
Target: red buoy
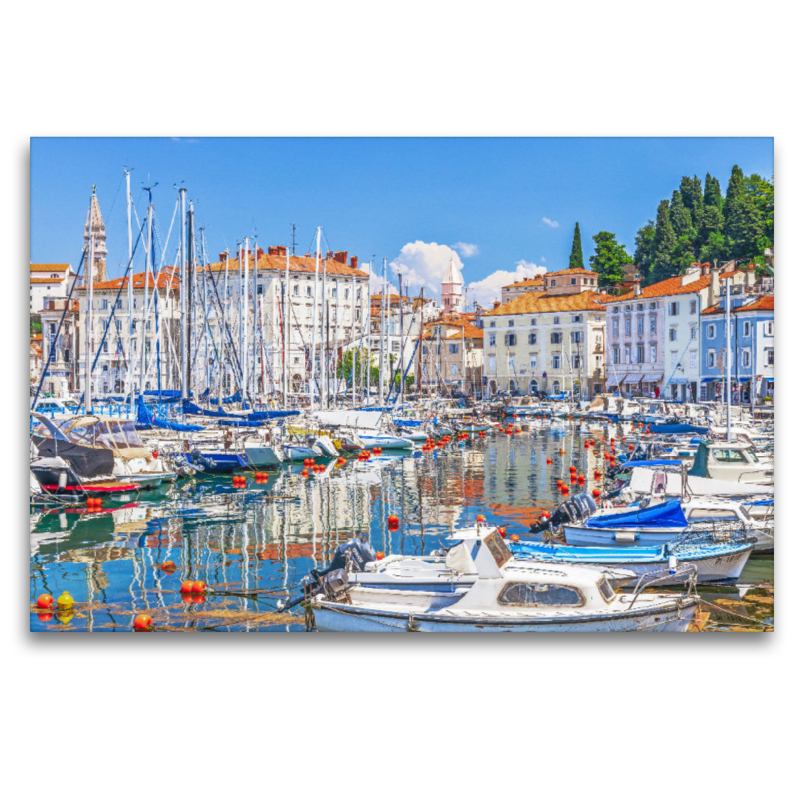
<point>44,601</point>
<point>198,587</point>
<point>143,622</point>
<point>169,567</point>
<point>186,587</point>
<point>394,522</point>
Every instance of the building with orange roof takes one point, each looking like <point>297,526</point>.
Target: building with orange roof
<point>549,342</point>
<point>512,290</point>
<point>60,341</point>
<point>451,355</point>
<point>49,280</point>
<point>752,340</point>
<point>653,344</point>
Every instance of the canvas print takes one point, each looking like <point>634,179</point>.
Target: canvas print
<point>398,385</point>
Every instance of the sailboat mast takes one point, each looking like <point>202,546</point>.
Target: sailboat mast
<point>383,334</point>
<point>353,340</point>
<point>325,335</point>
<point>130,289</point>
<point>190,301</point>
<point>314,324</point>
<point>87,392</point>
<point>184,293</point>
<point>286,331</point>
<point>254,382</point>
<point>245,365</point>
<point>728,358</point>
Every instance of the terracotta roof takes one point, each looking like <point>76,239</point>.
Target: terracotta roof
<point>296,264</point>
<point>163,281</point>
<point>46,280</point>
<point>765,303</point>
<point>667,288</point>
<point>36,337</point>
<point>526,282</point>
<point>470,332</point>
<point>49,267</point>
<point>572,271</point>
<point>542,303</point>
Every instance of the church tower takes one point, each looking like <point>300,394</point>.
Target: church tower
<point>452,285</point>
<point>96,226</point>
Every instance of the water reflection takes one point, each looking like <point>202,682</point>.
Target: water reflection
<point>254,545</point>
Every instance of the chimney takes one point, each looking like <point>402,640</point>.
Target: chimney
<point>750,275</point>
<point>496,304</point>
<point>329,255</point>
<point>354,262</point>
<point>222,256</point>
<point>637,287</point>
<point>714,281</point>
<point>259,253</point>
<point>340,256</point>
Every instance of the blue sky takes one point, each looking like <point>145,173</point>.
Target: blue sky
<point>508,201</point>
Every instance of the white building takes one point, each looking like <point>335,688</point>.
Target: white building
<point>49,280</point>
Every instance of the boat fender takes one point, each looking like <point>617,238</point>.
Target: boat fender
<point>673,564</point>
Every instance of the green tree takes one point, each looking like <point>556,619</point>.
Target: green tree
<point>608,259</point>
<point>716,246</point>
<point>744,226</point>
<point>762,192</point>
<point>344,368</point>
<point>664,244</point>
<point>645,250</point>
<point>712,194</point>
<point>576,256</point>
<point>735,190</point>
<point>680,217</point>
<point>692,195</point>
<point>712,221</point>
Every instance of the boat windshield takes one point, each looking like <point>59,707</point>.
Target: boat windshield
<point>540,594</point>
<point>606,590</point>
<point>95,432</point>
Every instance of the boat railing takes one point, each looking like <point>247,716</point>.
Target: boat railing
<point>682,573</point>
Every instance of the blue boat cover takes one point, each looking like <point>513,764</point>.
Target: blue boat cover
<point>145,417</point>
<point>247,419</point>
<point>677,428</point>
<point>661,515</point>
<point>656,462</point>
<point>590,555</point>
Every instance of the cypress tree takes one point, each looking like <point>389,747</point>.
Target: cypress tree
<point>712,195</point>
<point>680,217</point>
<point>576,256</point>
<point>664,242</point>
<point>692,195</point>
<point>735,189</point>
<point>643,255</point>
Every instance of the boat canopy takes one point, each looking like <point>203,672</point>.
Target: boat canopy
<point>349,419</point>
<point>677,428</point>
<point>662,515</point>
<point>41,426</point>
<point>145,417</point>
<point>662,462</point>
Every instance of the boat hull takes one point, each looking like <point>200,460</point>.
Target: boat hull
<point>262,456</point>
<point>341,618</point>
<point>619,537</point>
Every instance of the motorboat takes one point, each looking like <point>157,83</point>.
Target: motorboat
<point>506,595</point>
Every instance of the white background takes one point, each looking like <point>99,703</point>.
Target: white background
<point>152,716</point>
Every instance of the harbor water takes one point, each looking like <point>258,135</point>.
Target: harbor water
<point>253,545</point>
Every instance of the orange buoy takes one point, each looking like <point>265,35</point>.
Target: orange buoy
<point>155,453</point>
<point>480,518</point>
<point>44,601</point>
<point>581,479</point>
<point>186,587</point>
<point>198,587</point>
<point>549,460</point>
<point>169,567</point>
<point>545,515</point>
<point>304,473</point>
<point>143,622</point>
<point>380,554</point>
<point>595,493</point>
<point>502,532</point>
<point>393,521</point>
<point>564,490</point>
<point>597,474</point>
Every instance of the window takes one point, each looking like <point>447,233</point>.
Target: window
<point>396,346</point>
<point>615,327</point>
<point>746,329</point>
<point>118,304</point>
<point>295,290</point>
<point>770,357</point>
<point>673,359</point>
<point>640,354</point>
<point>653,353</point>
<point>259,289</point>
<point>653,324</point>
<point>453,349</point>
<point>453,369</point>
<point>745,357</point>
<point>511,339</point>
<point>540,594</point>
<point>557,321</point>
<point>627,326</point>
<point>103,304</point>
<point>511,323</point>
<point>693,332</point>
<point>711,359</point>
<point>573,281</point>
<point>693,359</point>
<point>534,362</point>
<point>346,294</point>
<point>512,364</point>
<point>711,332</point>
<point>576,361</point>
<point>693,307</point>
<point>615,355</point>
<point>627,354</point>
<point>555,337</point>
<point>652,305</point>
<point>577,317</point>
<point>728,456</point>
<point>627,308</point>
<point>492,363</point>
<point>531,338</point>
<point>553,282</point>
<point>424,349</point>
<point>492,339</point>
<point>576,337</point>
<point>640,326</point>
<point>533,322</point>
<point>673,334</point>
<point>768,329</point>
<point>615,310</point>
<point>492,324</point>
<point>556,361</point>
<point>673,309</point>
<point>308,291</point>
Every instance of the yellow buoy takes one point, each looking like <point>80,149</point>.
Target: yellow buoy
<point>65,601</point>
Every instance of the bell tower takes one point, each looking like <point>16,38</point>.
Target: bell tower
<point>96,226</point>
<point>452,285</point>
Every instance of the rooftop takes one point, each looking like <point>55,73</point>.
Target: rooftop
<point>542,303</point>
<point>49,267</point>
<point>525,283</point>
<point>764,303</point>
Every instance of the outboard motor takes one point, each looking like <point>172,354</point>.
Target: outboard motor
<point>352,556</point>
<point>573,510</point>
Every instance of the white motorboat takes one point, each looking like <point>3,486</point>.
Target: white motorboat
<point>507,595</point>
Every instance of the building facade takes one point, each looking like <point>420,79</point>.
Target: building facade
<point>752,340</point>
<point>451,356</point>
<point>551,341</point>
<point>512,290</point>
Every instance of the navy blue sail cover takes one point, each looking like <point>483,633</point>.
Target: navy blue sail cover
<point>662,515</point>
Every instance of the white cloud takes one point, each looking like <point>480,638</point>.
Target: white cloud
<point>551,222</point>
<point>467,250</point>
<point>376,276</point>
<point>424,264</point>
<point>488,290</point>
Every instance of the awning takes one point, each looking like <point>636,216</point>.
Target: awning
<point>677,380</point>
<point>708,380</point>
<point>653,377</point>
<point>614,381</point>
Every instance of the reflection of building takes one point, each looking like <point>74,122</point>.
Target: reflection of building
<point>548,341</point>
<point>451,355</point>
